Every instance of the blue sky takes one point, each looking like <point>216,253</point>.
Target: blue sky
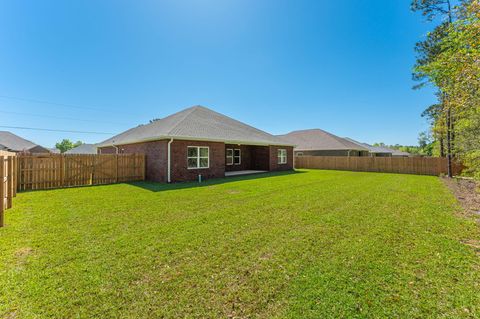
<point>343,66</point>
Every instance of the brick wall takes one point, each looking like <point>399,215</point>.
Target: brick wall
<point>180,171</point>
<point>260,158</point>
<point>274,166</point>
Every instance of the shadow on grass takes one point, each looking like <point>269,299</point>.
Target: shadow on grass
<point>159,187</point>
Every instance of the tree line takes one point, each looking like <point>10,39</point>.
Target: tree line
<point>449,59</point>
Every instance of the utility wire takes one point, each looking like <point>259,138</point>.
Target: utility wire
<point>60,104</point>
<point>59,117</point>
<point>53,130</point>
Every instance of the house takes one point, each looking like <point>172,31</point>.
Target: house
<point>316,142</point>
<point>14,143</point>
<point>198,143</point>
<point>375,151</point>
<point>380,151</point>
<point>397,153</point>
<point>83,149</point>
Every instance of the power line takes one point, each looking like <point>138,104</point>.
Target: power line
<point>59,117</point>
<point>60,104</point>
<point>53,130</point>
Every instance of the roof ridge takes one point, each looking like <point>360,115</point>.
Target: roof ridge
<point>187,111</point>
<point>197,107</point>
<point>337,138</point>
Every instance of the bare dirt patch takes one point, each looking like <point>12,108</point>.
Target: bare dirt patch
<point>467,192</point>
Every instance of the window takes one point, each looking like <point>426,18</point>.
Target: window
<point>299,153</point>
<point>282,156</point>
<point>237,160</point>
<point>234,156</point>
<point>229,155</point>
<point>197,157</point>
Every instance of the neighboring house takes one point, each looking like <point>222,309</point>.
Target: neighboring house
<point>316,142</point>
<point>198,141</point>
<point>54,150</point>
<point>397,153</point>
<point>373,150</point>
<point>14,143</point>
<point>380,151</point>
<point>83,149</point>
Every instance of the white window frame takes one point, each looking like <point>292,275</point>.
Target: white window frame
<point>198,157</point>
<point>282,156</point>
<point>239,156</point>
<point>229,157</point>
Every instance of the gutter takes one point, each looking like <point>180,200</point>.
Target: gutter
<point>187,138</point>
<point>169,180</point>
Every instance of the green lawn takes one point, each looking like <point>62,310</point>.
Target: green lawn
<point>312,244</point>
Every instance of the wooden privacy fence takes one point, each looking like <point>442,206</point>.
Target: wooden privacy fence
<point>404,165</point>
<point>8,163</point>
<point>56,171</point>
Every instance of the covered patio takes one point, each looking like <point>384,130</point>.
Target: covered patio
<point>246,159</point>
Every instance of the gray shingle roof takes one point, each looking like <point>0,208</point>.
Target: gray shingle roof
<point>400,153</point>
<point>12,142</point>
<point>371,149</point>
<point>317,139</point>
<point>83,149</point>
<point>196,123</point>
<point>379,149</point>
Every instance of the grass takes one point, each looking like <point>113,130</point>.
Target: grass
<point>315,244</point>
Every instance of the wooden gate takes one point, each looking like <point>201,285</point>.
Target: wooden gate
<point>56,171</point>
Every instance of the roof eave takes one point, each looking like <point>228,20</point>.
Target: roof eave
<point>188,138</point>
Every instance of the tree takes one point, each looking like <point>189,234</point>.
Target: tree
<point>66,145</point>
<point>454,70</point>
<point>427,51</point>
<point>431,9</point>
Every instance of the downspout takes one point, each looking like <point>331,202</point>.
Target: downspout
<point>169,180</point>
<point>115,147</point>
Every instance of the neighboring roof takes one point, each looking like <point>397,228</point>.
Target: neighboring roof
<point>196,123</point>
<point>317,139</point>
<point>379,149</point>
<point>371,149</point>
<point>54,150</point>
<point>12,142</point>
<point>400,153</point>
<point>83,149</point>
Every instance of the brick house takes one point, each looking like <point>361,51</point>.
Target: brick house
<point>200,143</point>
<point>317,142</point>
<point>14,143</point>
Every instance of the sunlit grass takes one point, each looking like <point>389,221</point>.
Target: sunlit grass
<point>315,244</point>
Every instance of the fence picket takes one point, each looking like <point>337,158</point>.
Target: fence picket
<point>403,165</point>
<point>56,171</point>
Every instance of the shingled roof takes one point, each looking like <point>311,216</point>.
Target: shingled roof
<point>317,139</point>
<point>379,149</point>
<point>371,149</point>
<point>15,143</point>
<point>83,149</point>
<point>196,123</point>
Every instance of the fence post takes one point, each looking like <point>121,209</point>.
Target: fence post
<point>15,176</point>
<point>116,168</point>
<point>62,170</point>
<point>2,189</point>
<point>9,181</point>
